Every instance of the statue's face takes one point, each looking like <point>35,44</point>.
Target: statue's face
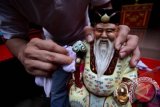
<point>104,36</point>
<point>105,31</point>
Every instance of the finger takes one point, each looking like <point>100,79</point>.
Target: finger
<point>48,45</point>
<point>42,66</point>
<point>88,30</point>
<point>60,59</point>
<point>122,36</point>
<point>47,56</point>
<point>135,57</point>
<point>37,72</point>
<point>132,42</point>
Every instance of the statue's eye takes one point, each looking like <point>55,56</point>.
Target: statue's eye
<point>110,30</point>
<point>100,30</point>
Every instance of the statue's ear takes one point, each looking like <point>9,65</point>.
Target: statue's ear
<point>89,36</point>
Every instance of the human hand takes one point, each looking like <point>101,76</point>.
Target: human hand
<point>88,30</point>
<point>130,47</point>
<point>42,57</point>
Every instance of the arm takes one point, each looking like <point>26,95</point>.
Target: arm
<point>39,57</point>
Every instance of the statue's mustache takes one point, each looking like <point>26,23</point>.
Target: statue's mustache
<point>102,43</point>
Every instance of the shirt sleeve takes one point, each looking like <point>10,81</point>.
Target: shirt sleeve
<point>99,2</point>
<point>12,23</point>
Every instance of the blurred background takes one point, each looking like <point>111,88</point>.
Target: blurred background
<point>143,18</point>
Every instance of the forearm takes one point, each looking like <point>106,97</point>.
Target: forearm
<point>16,46</point>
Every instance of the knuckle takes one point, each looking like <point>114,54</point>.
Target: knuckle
<point>52,45</point>
<point>25,62</point>
<point>51,58</point>
<point>27,52</point>
<point>50,67</point>
<point>34,40</point>
<point>130,49</point>
<point>28,64</point>
<point>135,37</point>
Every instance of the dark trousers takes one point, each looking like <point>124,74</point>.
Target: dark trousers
<point>59,91</point>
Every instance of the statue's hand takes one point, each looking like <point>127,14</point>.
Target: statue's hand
<point>121,94</point>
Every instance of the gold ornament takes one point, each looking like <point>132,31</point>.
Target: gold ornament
<point>105,18</point>
<point>121,94</point>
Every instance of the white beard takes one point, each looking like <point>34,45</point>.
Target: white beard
<point>103,51</point>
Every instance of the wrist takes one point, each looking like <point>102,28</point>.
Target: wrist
<point>17,46</point>
<point>20,54</point>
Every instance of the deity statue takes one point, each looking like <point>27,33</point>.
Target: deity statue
<point>101,77</point>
